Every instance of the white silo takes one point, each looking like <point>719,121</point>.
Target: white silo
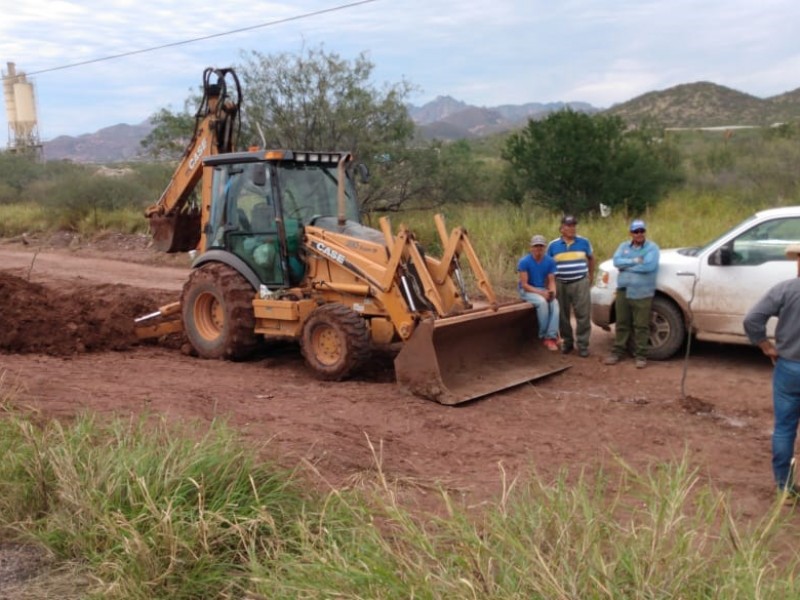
<point>23,127</point>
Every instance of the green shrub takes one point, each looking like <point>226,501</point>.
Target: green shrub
<point>79,199</point>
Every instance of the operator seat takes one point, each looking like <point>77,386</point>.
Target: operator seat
<point>263,217</point>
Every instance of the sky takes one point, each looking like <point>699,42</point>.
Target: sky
<point>483,53</point>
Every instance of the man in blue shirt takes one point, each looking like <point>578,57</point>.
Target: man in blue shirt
<point>537,285</point>
<point>575,268</point>
<point>637,261</point>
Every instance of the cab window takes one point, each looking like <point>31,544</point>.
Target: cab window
<point>765,242</point>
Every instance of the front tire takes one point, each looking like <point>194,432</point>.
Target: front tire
<point>217,311</point>
<point>335,341</point>
<point>667,329</point>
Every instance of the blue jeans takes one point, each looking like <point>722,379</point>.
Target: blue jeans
<point>546,314</point>
<point>786,404</point>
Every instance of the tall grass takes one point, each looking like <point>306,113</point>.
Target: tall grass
<point>620,534</point>
<point>19,218</point>
<point>32,218</point>
<point>152,511</point>
<point>155,511</point>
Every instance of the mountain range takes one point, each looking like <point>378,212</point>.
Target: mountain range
<point>447,118</point>
<point>700,104</point>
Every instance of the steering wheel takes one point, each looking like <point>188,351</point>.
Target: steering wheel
<point>298,213</point>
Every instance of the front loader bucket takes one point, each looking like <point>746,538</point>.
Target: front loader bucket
<point>456,359</point>
<point>178,232</point>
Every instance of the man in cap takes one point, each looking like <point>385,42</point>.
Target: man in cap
<point>637,261</point>
<point>575,267</point>
<point>537,285</point>
<point>782,301</point>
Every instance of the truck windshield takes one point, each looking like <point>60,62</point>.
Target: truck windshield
<point>713,243</point>
<point>309,191</point>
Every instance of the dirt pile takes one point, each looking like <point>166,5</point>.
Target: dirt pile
<point>71,319</point>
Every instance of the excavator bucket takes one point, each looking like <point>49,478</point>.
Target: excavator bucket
<point>456,359</point>
<point>178,232</point>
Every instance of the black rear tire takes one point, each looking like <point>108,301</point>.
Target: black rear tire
<point>217,311</point>
<point>667,329</point>
<point>335,342</point>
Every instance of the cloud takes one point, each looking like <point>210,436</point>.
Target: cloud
<point>505,52</point>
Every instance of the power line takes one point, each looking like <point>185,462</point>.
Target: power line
<point>206,37</point>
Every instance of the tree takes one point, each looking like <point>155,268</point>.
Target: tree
<point>319,101</point>
<point>426,176</point>
<point>16,171</point>
<point>573,162</point>
<point>171,132</point>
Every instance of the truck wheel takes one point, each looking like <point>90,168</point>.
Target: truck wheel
<point>335,341</point>
<point>667,329</point>
<point>217,310</point>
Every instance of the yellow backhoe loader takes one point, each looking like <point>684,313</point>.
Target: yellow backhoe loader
<point>280,253</point>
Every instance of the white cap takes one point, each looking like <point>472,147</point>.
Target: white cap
<point>538,240</point>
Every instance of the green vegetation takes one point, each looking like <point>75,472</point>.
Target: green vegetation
<point>573,162</point>
<point>37,198</point>
<point>148,511</point>
<point>728,176</point>
<point>143,509</point>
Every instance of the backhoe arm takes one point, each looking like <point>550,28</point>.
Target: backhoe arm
<point>175,224</point>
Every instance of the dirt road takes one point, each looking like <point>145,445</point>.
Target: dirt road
<point>55,346</point>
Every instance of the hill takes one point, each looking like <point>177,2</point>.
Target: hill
<point>448,119</point>
<point>792,97</point>
<point>705,104</point>
<point>117,143</point>
<point>700,104</point>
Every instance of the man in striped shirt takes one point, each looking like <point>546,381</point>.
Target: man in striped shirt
<point>574,270</point>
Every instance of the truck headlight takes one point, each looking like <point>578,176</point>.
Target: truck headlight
<point>602,278</point>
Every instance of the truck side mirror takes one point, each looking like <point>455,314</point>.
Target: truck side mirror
<point>722,256</point>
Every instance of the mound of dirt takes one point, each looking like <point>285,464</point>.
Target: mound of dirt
<point>71,319</point>
<point>696,406</point>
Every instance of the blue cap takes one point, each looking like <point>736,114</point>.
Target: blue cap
<point>638,224</point>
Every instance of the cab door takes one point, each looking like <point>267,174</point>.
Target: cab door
<point>736,273</point>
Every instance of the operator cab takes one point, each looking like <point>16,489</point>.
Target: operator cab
<point>262,200</point>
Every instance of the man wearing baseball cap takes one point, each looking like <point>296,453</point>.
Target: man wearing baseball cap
<point>637,261</point>
<point>782,301</point>
<point>537,285</point>
<point>575,267</point>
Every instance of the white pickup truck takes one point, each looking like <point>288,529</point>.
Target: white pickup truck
<point>711,288</point>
